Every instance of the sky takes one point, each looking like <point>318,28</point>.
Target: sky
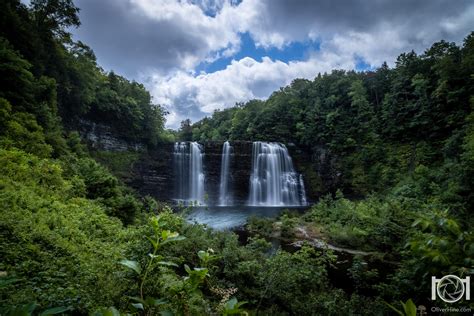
<point>197,56</point>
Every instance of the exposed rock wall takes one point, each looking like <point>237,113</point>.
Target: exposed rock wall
<point>153,173</point>
<point>240,169</point>
<point>102,137</point>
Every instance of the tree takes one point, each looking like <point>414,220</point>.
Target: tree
<point>55,16</point>
<point>186,130</point>
<point>364,114</point>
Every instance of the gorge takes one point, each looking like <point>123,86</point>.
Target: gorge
<point>226,169</point>
<point>267,164</point>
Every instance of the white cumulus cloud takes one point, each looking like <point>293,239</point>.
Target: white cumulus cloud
<point>161,42</point>
<point>192,96</point>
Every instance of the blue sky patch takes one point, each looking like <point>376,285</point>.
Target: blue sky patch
<point>293,52</point>
<point>362,65</point>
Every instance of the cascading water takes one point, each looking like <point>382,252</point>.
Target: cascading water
<point>274,181</point>
<point>225,197</point>
<point>302,192</point>
<point>189,175</point>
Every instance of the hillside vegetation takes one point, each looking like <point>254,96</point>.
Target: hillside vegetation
<point>74,239</point>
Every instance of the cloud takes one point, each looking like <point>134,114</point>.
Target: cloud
<point>189,96</point>
<point>162,42</point>
<point>140,36</point>
<point>281,21</point>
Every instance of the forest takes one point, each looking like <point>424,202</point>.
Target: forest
<point>76,240</point>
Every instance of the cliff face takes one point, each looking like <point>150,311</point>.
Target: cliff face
<point>240,169</point>
<point>153,172</point>
<point>102,137</point>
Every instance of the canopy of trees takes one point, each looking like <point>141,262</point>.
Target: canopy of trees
<point>380,124</point>
<point>50,74</point>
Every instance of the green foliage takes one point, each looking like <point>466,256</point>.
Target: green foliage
<point>53,240</point>
<point>20,130</point>
<point>288,225</point>
<point>259,226</point>
<point>297,281</point>
<point>409,308</point>
<point>180,294</point>
<point>17,81</point>
<point>373,127</point>
<point>33,101</point>
<point>363,276</point>
<point>119,163</point>
<point>232,307</point>
<point>100,185</point>
<point>126,105</point>
<point>55,15</point>
<point>442,245</point>
<point>403,138</point>
<point>29,309</point>
<point>111,311</point>
<point>46,74</point>
<point>369,224</point>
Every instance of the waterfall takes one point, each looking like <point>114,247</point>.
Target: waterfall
<point>225,198</point>
<point>273,180</point>
<point>189,175</point>
<point>303,192</point>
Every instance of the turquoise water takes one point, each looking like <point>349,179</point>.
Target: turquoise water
<point>229,217</point>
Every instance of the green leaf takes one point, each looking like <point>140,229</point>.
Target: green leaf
<point>154,223</point>
<point>201,270</point>
<point>203,254</point>
<point>111,311</point>
<point>132,265</point>
<point>165,234</point>
<point>4,282</point>
<point>137,299</point>
<point>231,303</point>
<point>232,307</point>
<point>187,268</point>
<point>394,309</point>
<point>177,238</point>
<point>167,263</point>
<point>453,227</point>
<point>409,307</point>
<point>138,306</point>
<point>114,311</point>
<point>154,243</point>
<point>56,310</point>
<point>24,310</point>
<point>150,301</point>
<point>173,234</point>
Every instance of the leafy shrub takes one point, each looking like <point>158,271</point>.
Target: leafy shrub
<point>61,249</point>
<point>369,224</point>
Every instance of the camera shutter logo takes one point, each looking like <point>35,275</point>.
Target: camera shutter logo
<point>450,288</point>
